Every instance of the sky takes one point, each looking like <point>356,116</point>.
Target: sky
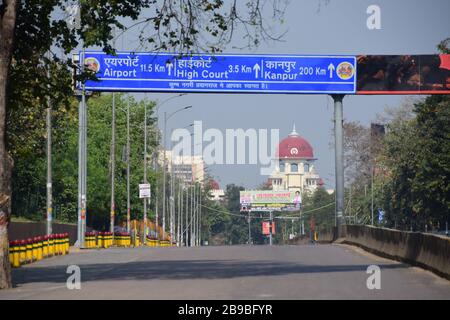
<point>334,27</point>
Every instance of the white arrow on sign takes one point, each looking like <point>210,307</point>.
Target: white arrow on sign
<point>169,67</point>
<point>331,69</point>
<point>256,68</point>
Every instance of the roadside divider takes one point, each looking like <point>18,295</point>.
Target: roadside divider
<point>98,240</point>
<point>122,239</point>
<point>106,239</point>
<point>153,242</point>
<point>25,251</point>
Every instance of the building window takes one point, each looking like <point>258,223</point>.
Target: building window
<point>306,167</point>
<point>282,166</point>
<point>294,167</point>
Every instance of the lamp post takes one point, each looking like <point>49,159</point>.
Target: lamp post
<point>145,173</point>
<point>113,164</point>
<point>178,219</point>
<point>128,167</point>
<point>127,155</point>
<point>191,237</point>
<point>166,118</point>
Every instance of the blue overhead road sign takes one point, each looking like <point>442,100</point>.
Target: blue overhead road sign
<point>160,72</point>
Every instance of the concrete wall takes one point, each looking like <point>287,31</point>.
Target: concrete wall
<point>327,236</point>
<point>25,230</point>
<point>428,251</point>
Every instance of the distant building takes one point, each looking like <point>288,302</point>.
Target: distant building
<point>295,170</point>
<point>216,193</point>
<point>186,168</point>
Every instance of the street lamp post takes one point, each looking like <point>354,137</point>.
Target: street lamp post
<point>145,172</point>
<point>127,155</point>
<point>172,194</point>
<point>187,216</point>
<point>194,210</point>
<point>198,214</point>
<point>113,164</point>
<point>191,235</point>
<point>128,167</point>
<point>179,219</point>
<point>49,168</point>
<point>166,118</point>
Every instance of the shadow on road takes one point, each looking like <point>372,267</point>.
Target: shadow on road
<point>180,270</point>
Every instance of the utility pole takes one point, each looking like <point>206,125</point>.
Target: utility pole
<point>371,191</point>
<point>199,215</point>
<point>49,156</point>
<point>113,164</point>
<point>249,230</point>
<point>194,210</point>
<point>145,171</point>
<point>181,215</point>
<point>164,163</point>
<point>82,158</point>
<point>128,167</point>
<point>187,216</point>
<point>49,168</point>
<point>191,236</point>
<point>270,228</point>
<point>113,156</point>
<point>156,189</point>
<point>164,178</point>
<point>339,159</point>
<point>171,196</point>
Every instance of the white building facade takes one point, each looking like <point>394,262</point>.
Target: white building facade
<point>295,170</point>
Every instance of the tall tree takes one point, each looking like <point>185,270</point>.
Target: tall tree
<point>8,13</point>
<point>417,156</point>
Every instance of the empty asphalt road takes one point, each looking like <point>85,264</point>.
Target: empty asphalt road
<point>234,272</point>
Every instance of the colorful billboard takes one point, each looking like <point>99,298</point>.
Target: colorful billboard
<point>403,74</point>
<point>268,200</point>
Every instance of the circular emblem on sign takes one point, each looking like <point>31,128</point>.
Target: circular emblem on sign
<point>345,70</point>
<point>294,151</point>
<point>92,64</point>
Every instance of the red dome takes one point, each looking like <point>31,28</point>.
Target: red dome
<point>295,147</point>
<point>213,184</point>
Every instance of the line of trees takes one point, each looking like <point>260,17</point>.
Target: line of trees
<point>29,178</point>
<point>411,167</point>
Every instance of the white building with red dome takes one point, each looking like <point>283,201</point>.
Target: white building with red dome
<point>215,192</point>
<point>295,170</point>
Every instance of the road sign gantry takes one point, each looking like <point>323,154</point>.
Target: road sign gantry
<point>226,73</point>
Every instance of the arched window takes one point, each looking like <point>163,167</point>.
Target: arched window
<point>294,167</point>
<point>306,167</point>
<point>282,166</point>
